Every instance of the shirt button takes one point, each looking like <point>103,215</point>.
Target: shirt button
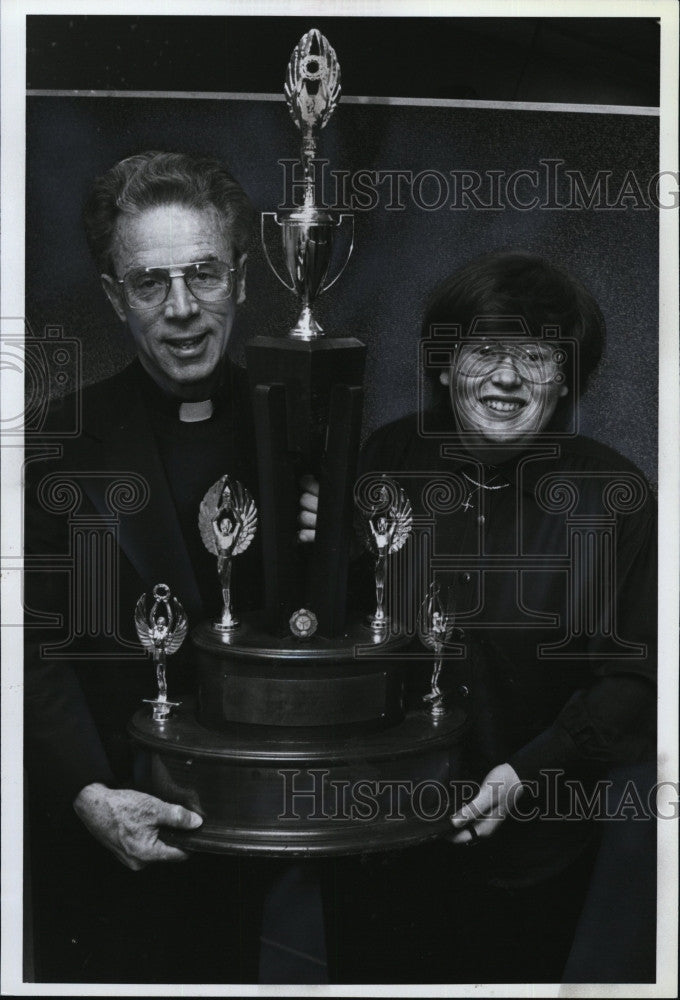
<point>465,577</point>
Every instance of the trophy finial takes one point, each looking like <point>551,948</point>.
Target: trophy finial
<point>312,85</point>
<point>227,521</point>
<point>161,631</point>
<point>309,232</point>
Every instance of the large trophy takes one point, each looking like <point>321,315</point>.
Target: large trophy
<point>302,739</point>
<point>308,233</point>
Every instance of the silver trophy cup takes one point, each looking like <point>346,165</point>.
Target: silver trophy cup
<point>307,235</point>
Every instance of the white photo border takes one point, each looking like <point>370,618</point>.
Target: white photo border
<point>12,165</point>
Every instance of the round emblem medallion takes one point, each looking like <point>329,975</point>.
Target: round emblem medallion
<point>303,623</point>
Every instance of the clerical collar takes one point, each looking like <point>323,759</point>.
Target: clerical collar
<point>170,406</point>
<point>193,413</point>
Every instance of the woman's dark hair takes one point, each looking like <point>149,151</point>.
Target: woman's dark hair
<point>515,284</point>
<point>150,179</point>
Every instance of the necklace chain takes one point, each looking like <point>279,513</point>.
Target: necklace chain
<point>480,486</point>
<point>485,486</point>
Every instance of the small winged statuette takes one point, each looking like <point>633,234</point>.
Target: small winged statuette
<point>435,626</point>
<point>227,522</point>
<point>386,527</point>
<point>161,630</point>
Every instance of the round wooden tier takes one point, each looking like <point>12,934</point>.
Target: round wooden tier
<point>282,792</point>
<point>250,676</point>
<point>301,746</point>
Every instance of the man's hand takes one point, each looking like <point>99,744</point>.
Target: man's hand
<point>481,816</point>
<point>127,822</point>
<point>309,503</point>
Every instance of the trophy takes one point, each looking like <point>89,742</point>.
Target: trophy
<point>300,701</point>
<point>435,626</point>
<point>387,525</point>
<point>312,91</point>
<point>227,521</point>
<point>161,631</point>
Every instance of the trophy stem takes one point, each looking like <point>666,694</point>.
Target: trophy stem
<point>436,696</point>
<point>307,327</point>
<point>379,621</point>
<point>160,675</point>
<point>228,622</point>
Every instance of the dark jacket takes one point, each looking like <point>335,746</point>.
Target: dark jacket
<point>551,574</point>
<point>108,518</point>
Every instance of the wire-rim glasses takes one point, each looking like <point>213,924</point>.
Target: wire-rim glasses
<point>149,287</point>
<point>535,361</point>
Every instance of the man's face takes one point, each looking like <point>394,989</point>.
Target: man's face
<point>504,394</point>
<point>181,342</point>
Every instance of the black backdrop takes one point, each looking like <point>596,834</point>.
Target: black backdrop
<point>399,255</point>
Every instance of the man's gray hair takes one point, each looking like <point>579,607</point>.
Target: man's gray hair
<point>150,179</point>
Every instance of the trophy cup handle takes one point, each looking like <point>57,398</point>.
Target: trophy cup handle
<point>272,215</point>
<point>345,215</point>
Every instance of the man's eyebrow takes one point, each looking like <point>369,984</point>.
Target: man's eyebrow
<point>198,259</point>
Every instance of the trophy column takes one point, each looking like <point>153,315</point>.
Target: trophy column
<point>307,398</point>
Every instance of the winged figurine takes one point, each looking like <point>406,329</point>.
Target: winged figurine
<point>435,625</point>
<point>386,527</point>
<point>161,631</point>
<point>227,521</point>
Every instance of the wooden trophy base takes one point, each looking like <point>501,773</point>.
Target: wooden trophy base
<point>302,747</point>
<point>262,791</point>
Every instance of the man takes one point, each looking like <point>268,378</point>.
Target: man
<point>169,235</point>
<point>545,549</point>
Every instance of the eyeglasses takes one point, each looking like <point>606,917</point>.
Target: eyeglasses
<point>149,287</point>
<point>536,362</point>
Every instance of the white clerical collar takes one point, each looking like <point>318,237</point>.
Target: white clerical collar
<point>193,413</point>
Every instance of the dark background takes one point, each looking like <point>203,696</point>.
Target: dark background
<point>399,256</point>
<point>590,60</point>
